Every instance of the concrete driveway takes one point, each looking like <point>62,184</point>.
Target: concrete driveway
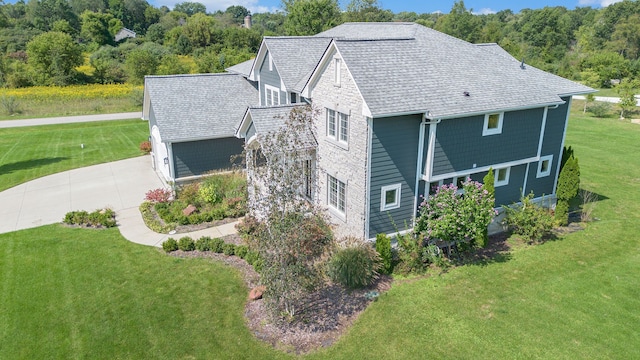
<point>119,185</point>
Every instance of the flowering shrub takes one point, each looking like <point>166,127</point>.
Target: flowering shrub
<point>159,195</point>
<point>528,219</point>
<point>456,216</point>
<point>145,147</point>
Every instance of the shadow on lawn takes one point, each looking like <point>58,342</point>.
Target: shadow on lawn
<point>28,164</point>
<point>497,251</point>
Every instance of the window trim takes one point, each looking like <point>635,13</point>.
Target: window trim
<point>338,119</point>
<point>336,208</point>
<point>383,197</point>
<point>546,173</point>
<point>337,71</point>
<point>274,90</point>
<point>486,131</point>
<point>497,182</point>
<point>270,62</point>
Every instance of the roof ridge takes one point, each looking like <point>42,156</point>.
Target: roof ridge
<point>191,75</point>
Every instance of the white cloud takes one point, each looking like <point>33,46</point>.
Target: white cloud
<point>485,11</point>
<point>602,3</point>
<point>215,5</point>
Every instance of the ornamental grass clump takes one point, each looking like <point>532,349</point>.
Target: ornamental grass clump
<point>355,267</point>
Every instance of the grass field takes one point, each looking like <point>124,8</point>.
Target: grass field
<point>27,153</point>
<point>70,293</point>
<point>49,101</point>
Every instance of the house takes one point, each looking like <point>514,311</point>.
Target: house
<point>192,121</point>
<point>124,33</point>
<point>405,108</point>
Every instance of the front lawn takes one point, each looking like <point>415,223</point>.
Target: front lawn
<point>77,293</point>
<point>74,293</point>
<point>27,153</point>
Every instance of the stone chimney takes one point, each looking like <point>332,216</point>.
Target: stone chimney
<point>247,22</point>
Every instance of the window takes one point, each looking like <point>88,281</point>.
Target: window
<point>502,177</point>
<point>492,124</point>
<point>338,126</point>
<point>390,197</point>
<point>544,166</point>
<point>272,95</point>
<point>294,98</point>
<point>337,194</point>
<point>308,179</point>
<point>331,123</point>
<point>336,63</point>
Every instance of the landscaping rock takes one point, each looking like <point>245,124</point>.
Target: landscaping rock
<point>257,292</point>
<point>189,210</point>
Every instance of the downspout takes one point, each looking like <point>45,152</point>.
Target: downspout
<point>421,162</point>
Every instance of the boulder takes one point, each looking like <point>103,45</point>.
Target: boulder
<point>189,210</point>
<point>257,292</point>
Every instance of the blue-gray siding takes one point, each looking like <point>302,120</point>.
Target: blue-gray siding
<point>393,160</point>
<point>460,144</point>
<point>199,157</point>
<point>551,145</point>
<point>510,193</point>
<point>271,78</point>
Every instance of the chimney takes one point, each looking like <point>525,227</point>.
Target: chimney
<point>247,22</point>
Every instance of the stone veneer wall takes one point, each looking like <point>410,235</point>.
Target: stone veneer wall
<point>347,165</point>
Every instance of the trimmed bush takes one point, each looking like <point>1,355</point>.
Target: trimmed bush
<point>355,267</point>
<point>170,245</point>
<point>98,218</point>
<point>241,251</point>
<point>203,244</point>
<point>186,244</point>
<point>228,249</point>
<point>568,187</point>
<point>217,245</point>
<point>383,247</point>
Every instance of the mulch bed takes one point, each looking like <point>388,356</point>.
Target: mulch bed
<point>331,310</point>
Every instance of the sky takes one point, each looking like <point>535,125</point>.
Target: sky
<point>418,6</point>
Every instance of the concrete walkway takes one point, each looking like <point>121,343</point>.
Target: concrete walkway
<point>119,185</point>
<point>69,119</point>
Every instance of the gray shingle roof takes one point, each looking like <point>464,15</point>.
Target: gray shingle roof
<point>203,106</point>
<point>433,72</point>
<point>244,68</point>
<point>296,57</point>
<point>372,30</point>
<point>271,119</point>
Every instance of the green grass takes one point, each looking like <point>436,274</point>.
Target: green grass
<point>610,92</point>
<point>76,293</point>
<point>27,153</point>
<point>70,107</point>
<point>70,293</point>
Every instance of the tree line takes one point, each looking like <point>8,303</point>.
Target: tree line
<point>59,42</point>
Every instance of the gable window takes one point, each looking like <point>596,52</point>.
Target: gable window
<point>271,95</point>
<point>544,166</point>
<point>502,177</point>
<point>390,197</point>
<point>337,126</point>
<point>336,74</point>
<point>336,196</point>
<point>492,124</point>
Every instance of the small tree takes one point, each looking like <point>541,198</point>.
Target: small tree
<point>627,96</point>
<point>568,186</point>
<point>489,185</point>
<point>295,236</point>
<point>54,55</point>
